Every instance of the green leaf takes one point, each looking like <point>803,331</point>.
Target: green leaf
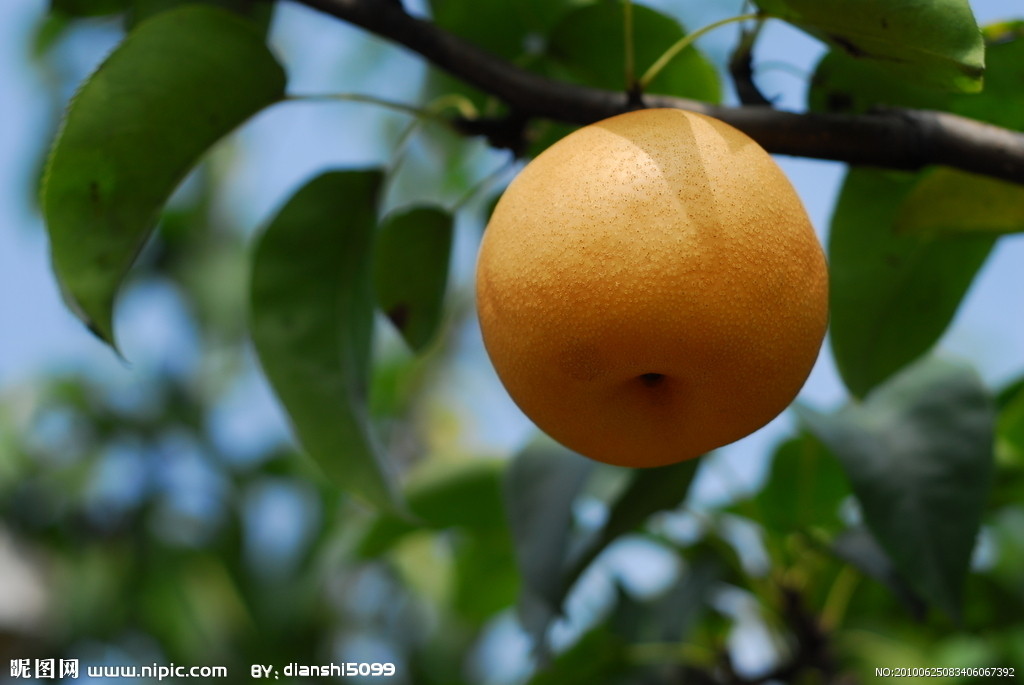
<point>1002,100</point>
<point>588,46</point>
<point>804,488</point>
<point>856,546</point>
<point>842,83</point>
<point>176,85</point>
<point>486,580</point>
<point>257,10</point>
<point>1009,487</point>
<point>312,321</point>
<point>411,271</point>
<point>894,236</point>
<point>600,656</point>
<point>950,202</point>
<point>918,453</point>
<point>892,295</point>
<point>934,43</point>
<point>464,494</point>
<point>1010,426</point>
<point>512,29</point>
<point>502,27</point>
<point>944,201</point>
<point>88,8</point>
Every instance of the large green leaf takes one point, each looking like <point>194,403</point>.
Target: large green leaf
<point>312,324</point>
<point>804,489</point>
<point>176,85</point>
<point>950,202</point>
<point>944,201</point>
<point>919,454</point>
<point>935,43</point>
<point>856,546</point>
<point>842,83</point>
<point>895,235</point>
<point>892,295</point>
<point>588,46</point>
<point>411,271</point>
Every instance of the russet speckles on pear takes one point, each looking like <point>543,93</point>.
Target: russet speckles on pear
<point>650,288</point>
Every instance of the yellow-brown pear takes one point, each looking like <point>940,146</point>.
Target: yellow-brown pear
<point>650,288</point>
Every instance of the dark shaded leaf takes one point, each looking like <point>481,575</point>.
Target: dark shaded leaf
<point>312,323</point>
<point>541,485</point>
<point>598,657</point>
<point>1009,481</point>
<point>1010,427</point>
<point>669,617</point>
<point>648,492</point>
<point>918,453</point>
<point>486,580</point>
<point>856,546</point>
<point>88,8</point>
<point>502,27</point>
<point>411,271</point>
<point>174,87</point>
<point>804,489</point>
<point>892,295</point>
<point>259,11</point>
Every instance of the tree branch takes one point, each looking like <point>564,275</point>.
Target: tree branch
<point>893,138</point>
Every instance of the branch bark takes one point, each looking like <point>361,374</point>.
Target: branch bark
<point>893,138</point>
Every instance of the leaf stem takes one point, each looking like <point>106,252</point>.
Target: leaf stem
<point>460,103</point>
<point>688,40</point>
<point>359,97</point>
<point>839,597</point>
<point>483,184</point>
